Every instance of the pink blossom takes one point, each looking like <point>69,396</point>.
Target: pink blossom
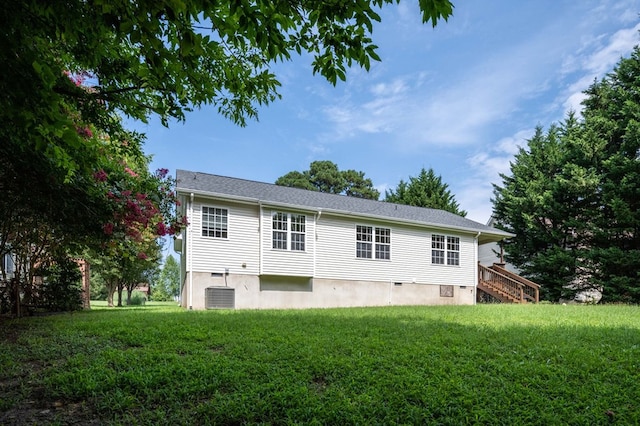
<point>142,255</point>
<point>130,172</point>
<point>161,229</point>
<point>84,132</point>
<point>108,228</point>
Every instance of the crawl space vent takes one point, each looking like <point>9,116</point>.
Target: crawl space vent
<point>220,297</point>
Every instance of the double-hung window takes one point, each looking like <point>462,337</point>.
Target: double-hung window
<point>373,241</point>
<point>289,231</point>
<point>215,222</point>
<point>445,249</point>
<point>453,251</point>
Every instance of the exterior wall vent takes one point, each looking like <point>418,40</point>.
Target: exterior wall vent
<point>220,298</point>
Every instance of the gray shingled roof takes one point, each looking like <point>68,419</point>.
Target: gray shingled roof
<point>213,185</point>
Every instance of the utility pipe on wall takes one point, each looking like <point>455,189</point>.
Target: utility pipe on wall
<point>475,269</point>
<point>189,255</point>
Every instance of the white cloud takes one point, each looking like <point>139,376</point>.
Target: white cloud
<point>485,167</point>
<point>597,58</point>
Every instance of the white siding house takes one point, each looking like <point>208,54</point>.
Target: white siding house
<point>253,245</point>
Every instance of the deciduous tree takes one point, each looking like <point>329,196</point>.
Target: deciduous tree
<point>324,176</point>
<point>164,57</point>
<point>167,285</point>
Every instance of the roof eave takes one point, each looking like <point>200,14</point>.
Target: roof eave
<point>484,236</point>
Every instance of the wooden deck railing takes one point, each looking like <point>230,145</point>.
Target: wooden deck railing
<point>531,289</point>
<point>508,285</point>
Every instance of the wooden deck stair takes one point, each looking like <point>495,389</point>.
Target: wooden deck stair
<point>506,286</point>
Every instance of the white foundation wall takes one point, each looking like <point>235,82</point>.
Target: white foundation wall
<point>254,292</point>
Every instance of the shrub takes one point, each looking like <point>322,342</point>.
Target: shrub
<point>137,299</point>
<point>61,289</point>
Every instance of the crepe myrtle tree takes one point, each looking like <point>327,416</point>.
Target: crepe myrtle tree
<point>143,210</point>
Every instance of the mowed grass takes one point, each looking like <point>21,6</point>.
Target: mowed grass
<point>485,364</point>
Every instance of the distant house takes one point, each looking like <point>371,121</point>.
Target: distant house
<point>254,245</point>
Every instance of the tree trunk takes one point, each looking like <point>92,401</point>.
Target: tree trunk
<point>110,292</point>
<point>86,284</point>
<point>119,295</point>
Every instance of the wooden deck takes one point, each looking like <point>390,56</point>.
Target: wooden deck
<point>505,286</point>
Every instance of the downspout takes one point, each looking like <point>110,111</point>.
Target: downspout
<point>315,242</point>
<point>475,269</point>
<point>260,242</point>
<point>190,256</point>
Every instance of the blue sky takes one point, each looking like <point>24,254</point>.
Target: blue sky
<point>459,98</point>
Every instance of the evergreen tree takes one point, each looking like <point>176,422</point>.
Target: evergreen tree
<point>546,202</point>
<point>573,198</point>
<point>425,190</point>
<point>611,115</point>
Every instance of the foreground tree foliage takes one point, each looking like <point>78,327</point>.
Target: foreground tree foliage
<point>71,69</point>
<point>425,190</point>
<point>165,57</point>
<point>324,176</point>
<point>573,196</point>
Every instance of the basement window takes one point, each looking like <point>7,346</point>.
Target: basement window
<point>446,291</point>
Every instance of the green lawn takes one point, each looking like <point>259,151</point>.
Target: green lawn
<point>486,364</point>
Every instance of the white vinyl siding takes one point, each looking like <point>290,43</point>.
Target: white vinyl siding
<point>329,248</point>
<point>297,259</point>
<point>409,263</point>
<point>241,247</point>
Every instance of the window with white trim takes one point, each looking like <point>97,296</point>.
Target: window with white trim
<point>453,251</point>
<point>383,243</point>
<point>288,227</point>
<point>445,247</point>
<point>365,240</point>
<point>280,229</point>
<point>215,222</point>
<point>298,226</point>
